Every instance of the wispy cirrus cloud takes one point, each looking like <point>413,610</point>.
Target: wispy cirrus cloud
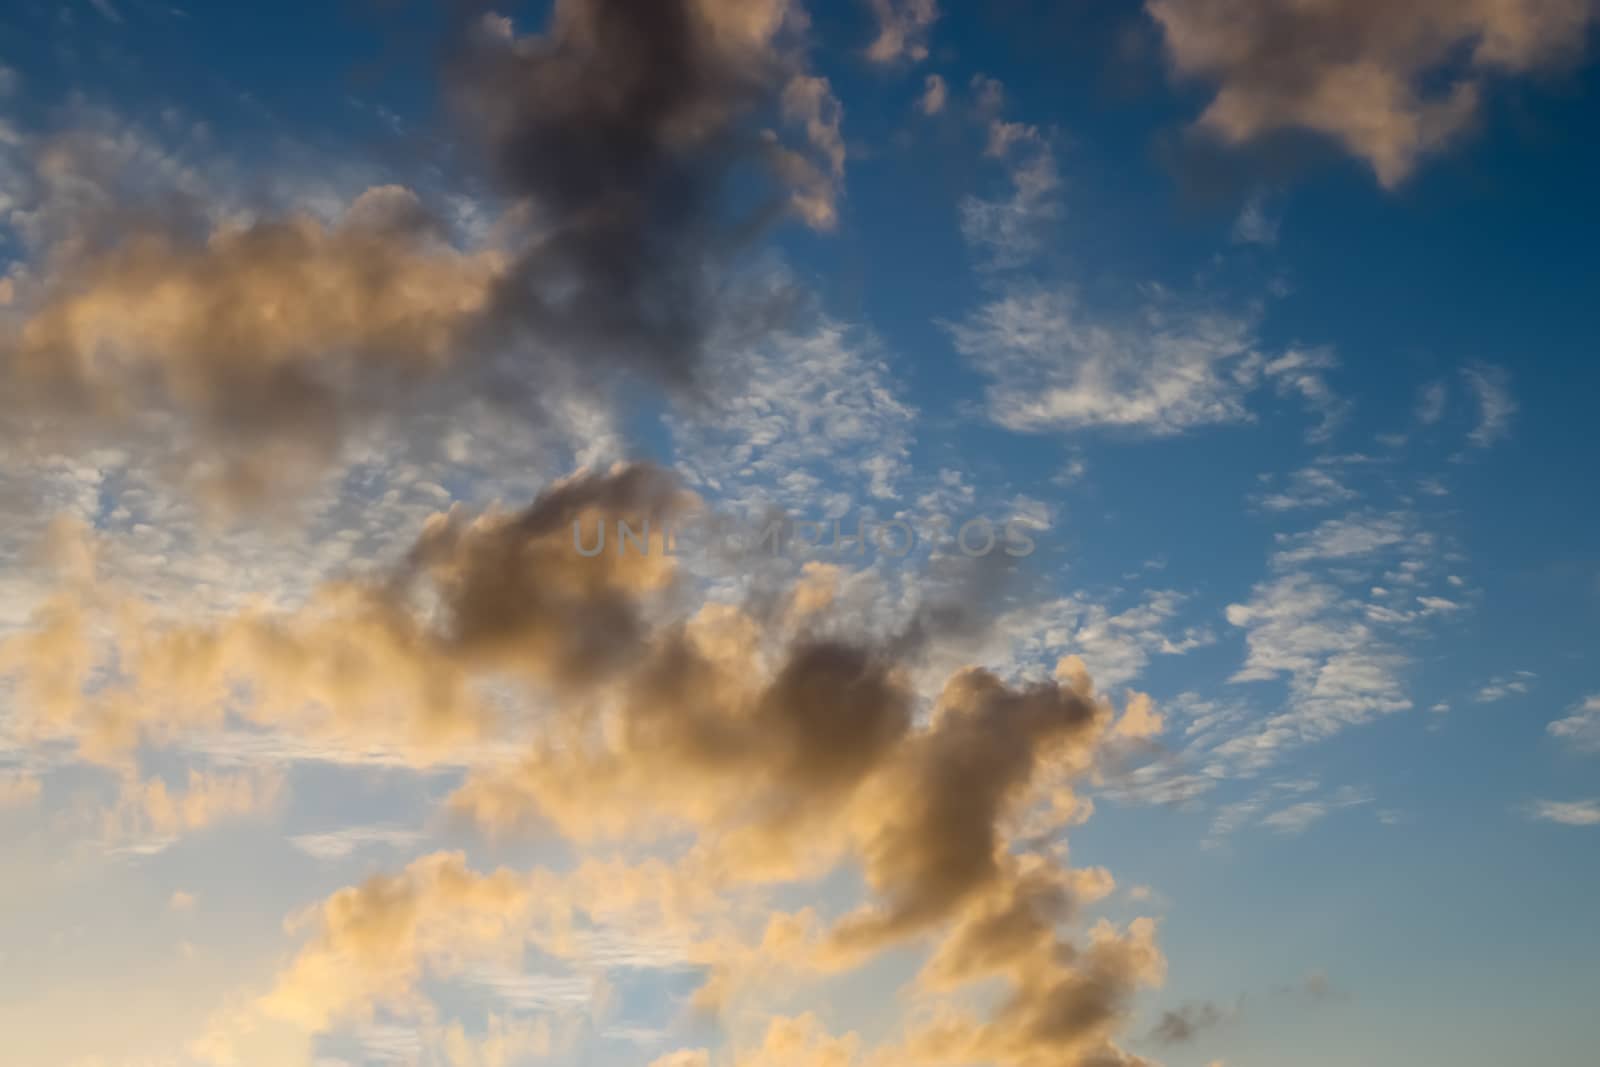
<point>1501,687</point>
<point>1491,386</point>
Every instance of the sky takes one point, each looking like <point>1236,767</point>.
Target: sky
<point>799,533</point>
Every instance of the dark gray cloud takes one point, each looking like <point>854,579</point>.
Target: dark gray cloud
<point>619,129</point>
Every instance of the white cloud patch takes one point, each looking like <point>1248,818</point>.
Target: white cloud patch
<point>1057,365</point>
<point>1009,231</point>
<point>1581,729</point>
<point>790,414</point>
<point>1496,406</point>
<point>1308,488</point>
<point>339,844</point>
<point>1299,817</point>
<point>1348,600</point>
<point>1567,812</point>
<point>1504,686</point>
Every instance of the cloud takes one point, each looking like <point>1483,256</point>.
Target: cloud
<point>1352,537</point>
<point>1390,83</point>
<point>1008,232</point>
<point>1567,813</point>
<point>758,747</point>
<point>903,27</point>
<point>1189,1021</point>
<point>1301,371</point>
<point>1581,730</point>
<point>361,664</point>
<point>373,942</point>
<point>1255,225</point>
<point>684,1058</point>
<point>1343,664</point>
<point>255,341</point>
<point>265,336</point>
<point>789,1042</point>
<point>1496,406</point>
<point>1298,818</point>
<point>149,815</point>
<point>774,743</point>
<point>1431,403</point>
<point>338,844</point>
<point>1309,487</point>
<point>19,790</point>
<point>809,102</point>
<point>1057,365</point>
<point>935,93</point>
<point>619,128</point>
<point>1503,686</point>
<point>805,417</point>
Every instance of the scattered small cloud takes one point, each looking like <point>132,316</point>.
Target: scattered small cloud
<point>338,844</point>
<point>1567,812</point>
<point>1503,686</point>
<point>1431,403</point>
<point>1580,729</point>
<point>1255,224</point>
<point>1189,1021</point>
<point>1496,406</point>
<point>903,28</point>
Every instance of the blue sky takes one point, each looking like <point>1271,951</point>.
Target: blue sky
<point>1272,323</point>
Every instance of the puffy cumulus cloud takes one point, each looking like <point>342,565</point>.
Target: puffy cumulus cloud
<point>265,335</point>
<point>946,821</point>
<point>612,135</point>
<point>935,824</point>
<point>618,128</point>
<point>1057,365</point>
<point>372,942</point>
<point>692,731</point>
<point>767,745</point>
<point>1390,82</point>
<point>373,952</point>
<point>393,662</point>
<point>903,28</point>
<point>1054,1011</point>
<point>507,1042</point>
<point>809,102</point>
<point>797,1041</point>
